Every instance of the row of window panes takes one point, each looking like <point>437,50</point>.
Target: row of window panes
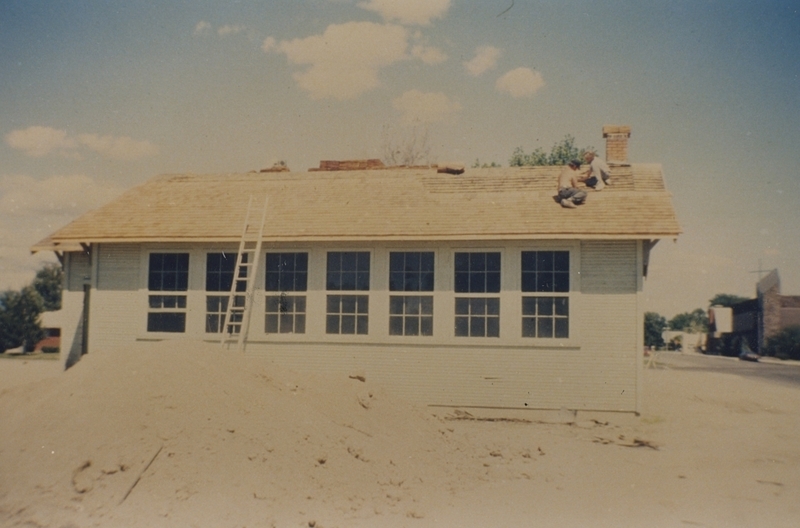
<point>475,272</point>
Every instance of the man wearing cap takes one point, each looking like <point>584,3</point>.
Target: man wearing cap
<point>598,175</point>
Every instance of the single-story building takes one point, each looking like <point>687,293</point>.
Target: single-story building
<point>756,320</point>
<point>476,289</point>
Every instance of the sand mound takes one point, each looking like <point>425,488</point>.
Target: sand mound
<point>186,432</point>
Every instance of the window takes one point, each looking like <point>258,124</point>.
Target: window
<point>219,278</point>
<point>546,274</point>
<point>411,272</point>
<point>347,271</point>
<point>477,315</point>
<point>167,272</point>
<point>347,314</point>
<point>286,272</point>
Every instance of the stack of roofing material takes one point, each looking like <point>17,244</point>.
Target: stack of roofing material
<point>346,165</point>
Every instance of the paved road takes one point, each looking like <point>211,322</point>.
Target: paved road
<point>787,373</point>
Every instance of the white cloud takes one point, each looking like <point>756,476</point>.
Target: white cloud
<point>269,44</point>
<point>31,209</point>
<point>425,107</point>
<point>202,27</point>
<point>229,29</point>
<point>344,61</point>
<point>38,141</point>
<point>521,82</point>
<point>58,195</point>
<point>119,147</point>
<point>428,54</point>
<point>485,59</point>
<point>419,12</point>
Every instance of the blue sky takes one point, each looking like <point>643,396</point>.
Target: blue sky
<point>98,96</point>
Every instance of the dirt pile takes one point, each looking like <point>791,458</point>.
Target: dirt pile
<point>185,433</point>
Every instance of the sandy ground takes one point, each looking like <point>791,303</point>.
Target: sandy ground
<point>193,436</point>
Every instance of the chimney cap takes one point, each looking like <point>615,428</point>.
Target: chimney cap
<point>616,129</point>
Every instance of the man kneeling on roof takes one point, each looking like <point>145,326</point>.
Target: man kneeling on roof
<point>568,193</point>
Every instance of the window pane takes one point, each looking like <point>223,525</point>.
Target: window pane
<point>334,261</point>
<point>562,327</point>
<point>426,326</point>
<point>477,282</point>
<point>166,322</point>
<point>477,326</point>
<point>286,323</point>
<point>300,323</point>
<point>333,303</point>
<point>348,324</point>
<point>395,325</point>
<point>493,306</point>
<point>545,306</point>
<point>332,324</point>
<point>363,325</point>
<point>493,327</point>
<point>426,305</point>
<point>477,306</point>
<point>562,306</point>
<point>462,306</point>
<point>561,261</point>
<point>561,282</point>
<point>544,282</point>
<point>426,262</point>
<point>528,261</point>
<point>396,281</point>
<point>529,306</point>
<point>348,304</point>
<point>544,261</point>
<point>396,262</point>
<point>362,306</point>
<point>493,282</point>
<point>462,262</point>
<point>493,262</point>
<point>462,282</point>
<point>462,326</point>
<point>396,305</point>
<point>349,259</point>
<point>528,282</point>
<point>528,327</point>
<point>412,305</point>
<point>412,326</point>
<point>545,327</point>
<point>271,324</point>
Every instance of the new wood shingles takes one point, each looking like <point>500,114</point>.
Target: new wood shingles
<point>401,204</point>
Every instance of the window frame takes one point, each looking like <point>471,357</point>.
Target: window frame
<point>468,292</point>
<point>174,301</point>
<point>295,295</point>
<point>358,294</point>
<point>570,295</point>
<point>404,292</point>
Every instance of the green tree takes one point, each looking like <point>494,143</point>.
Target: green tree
<point>692,322</point>
<point>785,344</point>
<point>654,324</point>
<point>726,299</point>
<point>19,318</point>
<point>562,153</point>
<point>48,283</point>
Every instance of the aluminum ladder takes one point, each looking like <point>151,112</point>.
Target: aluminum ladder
<point>236,324</point>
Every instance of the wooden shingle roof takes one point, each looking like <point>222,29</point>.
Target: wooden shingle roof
<point>390,204</point>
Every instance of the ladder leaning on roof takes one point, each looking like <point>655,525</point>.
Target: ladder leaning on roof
<point>240,299</point>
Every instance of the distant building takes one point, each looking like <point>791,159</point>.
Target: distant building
<point>770,312</point>
<point>476,289</point>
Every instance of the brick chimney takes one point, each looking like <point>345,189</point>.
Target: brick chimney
<point>616,137</point>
